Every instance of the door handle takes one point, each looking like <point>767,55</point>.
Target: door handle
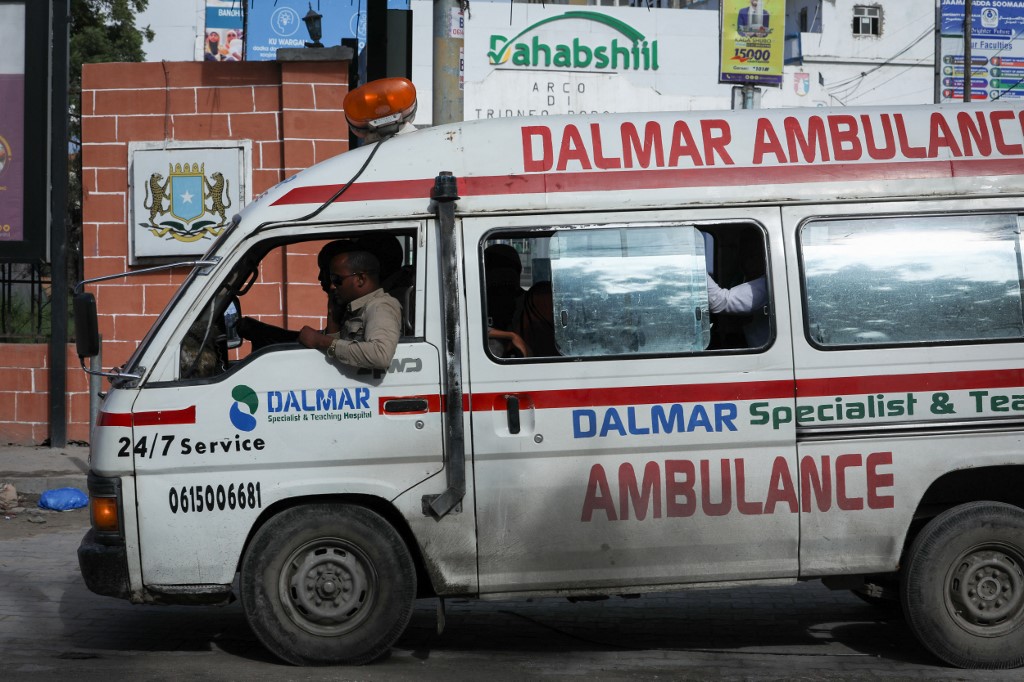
<point>512,412</point>
<point>400,405</point>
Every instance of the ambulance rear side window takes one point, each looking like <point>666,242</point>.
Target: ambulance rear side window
<point>891,281</point>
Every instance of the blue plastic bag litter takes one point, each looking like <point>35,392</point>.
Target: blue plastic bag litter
<point>63,499</point>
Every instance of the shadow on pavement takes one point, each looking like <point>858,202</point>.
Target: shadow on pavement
<point>797,620</point>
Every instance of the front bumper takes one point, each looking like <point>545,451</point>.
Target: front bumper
<point>104,566</point>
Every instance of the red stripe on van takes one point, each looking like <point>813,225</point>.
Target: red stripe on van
<point>633,395</point>
<point>435,403</point>
<point>123,419</point>
<point>639,395</point>
<point>754,390</point>
<point>128,419</point>
<point>937,381</point>
<point>598,181</point>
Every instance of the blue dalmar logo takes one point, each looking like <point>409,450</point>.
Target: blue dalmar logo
<point>244,397</point>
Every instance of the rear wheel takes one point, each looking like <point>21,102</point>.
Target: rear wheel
<point>325,584</point>
<point>963,587</point>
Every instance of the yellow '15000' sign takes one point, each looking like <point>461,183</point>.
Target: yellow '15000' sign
<point>752,41</point>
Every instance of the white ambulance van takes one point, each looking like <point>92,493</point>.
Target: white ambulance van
<point>862,422</point>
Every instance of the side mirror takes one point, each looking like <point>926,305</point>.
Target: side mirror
<point>87,336</point>
<point>232,314</point>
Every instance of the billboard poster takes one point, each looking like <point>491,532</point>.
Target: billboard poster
<point>275,25</point>
<point>558,59</point>
<point>752,41</point>
<point>12,123</point>
<point>182,195</point>
<point>997,50</point>
<point>225,36</point>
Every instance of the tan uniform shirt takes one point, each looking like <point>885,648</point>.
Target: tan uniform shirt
<point>370,331</point>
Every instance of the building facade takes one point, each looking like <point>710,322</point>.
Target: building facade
<point>857,53</point>
<point>838,53</point>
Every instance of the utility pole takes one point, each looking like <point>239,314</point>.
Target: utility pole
<point>749,91</point>
<point>449,23</point>
<point>968,66</point>
<point>60,23</point>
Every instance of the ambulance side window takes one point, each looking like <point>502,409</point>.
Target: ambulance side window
<point>615,290</point>
<point>891,281</point>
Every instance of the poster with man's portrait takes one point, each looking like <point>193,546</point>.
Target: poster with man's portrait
<point>752,41</point>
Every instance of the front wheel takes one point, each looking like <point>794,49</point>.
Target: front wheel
<point>963,586</point>
<point>325,584</point>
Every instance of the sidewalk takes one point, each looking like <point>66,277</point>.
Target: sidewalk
<point>34,470</point>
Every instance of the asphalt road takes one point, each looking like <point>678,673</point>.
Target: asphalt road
<point>53,628</point>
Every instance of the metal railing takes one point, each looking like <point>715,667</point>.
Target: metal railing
<point>24,302</point>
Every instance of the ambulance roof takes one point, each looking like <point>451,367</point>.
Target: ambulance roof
<point>664,159</point>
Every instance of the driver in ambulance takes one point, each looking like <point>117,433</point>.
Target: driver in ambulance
<point>371,320</point>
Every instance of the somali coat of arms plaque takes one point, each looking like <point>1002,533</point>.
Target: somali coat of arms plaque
<point>182,196</point>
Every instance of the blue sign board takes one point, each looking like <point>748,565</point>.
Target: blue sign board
<point>273,25</point>
<point>989,18</point>
<point>997,50</point>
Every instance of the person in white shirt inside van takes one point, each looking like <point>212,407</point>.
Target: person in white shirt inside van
<point>742,299</point>
<point>748,298</point>
<point>372,320</point>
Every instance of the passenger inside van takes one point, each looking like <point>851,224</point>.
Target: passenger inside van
<point>741,299</point>
<point>740,307</point>
<point>505,296</point>
<point>535,323</point>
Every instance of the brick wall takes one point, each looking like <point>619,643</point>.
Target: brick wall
<point>24,391</point>
<point>292,112</point>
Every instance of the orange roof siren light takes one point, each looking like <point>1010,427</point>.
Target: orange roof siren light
<point>380,108</point>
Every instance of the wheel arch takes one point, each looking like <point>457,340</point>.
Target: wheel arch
<point>424,584</point>
<point>992,483</point>
<point>952,489</point>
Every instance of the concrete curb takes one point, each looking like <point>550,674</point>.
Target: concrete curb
<point>34,470</point>
<point>37,485</point>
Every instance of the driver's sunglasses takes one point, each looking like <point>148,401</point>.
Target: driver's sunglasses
<point>336,280</point>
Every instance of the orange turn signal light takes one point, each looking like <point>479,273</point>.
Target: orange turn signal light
<point>380,106</point>
<point>104,514</point>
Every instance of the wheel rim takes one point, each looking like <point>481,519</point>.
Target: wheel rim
<point>985,590</point>
<point>328,586</point>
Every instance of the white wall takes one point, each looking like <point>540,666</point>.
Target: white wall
<point>896,67</point>
<point>178,25</point>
